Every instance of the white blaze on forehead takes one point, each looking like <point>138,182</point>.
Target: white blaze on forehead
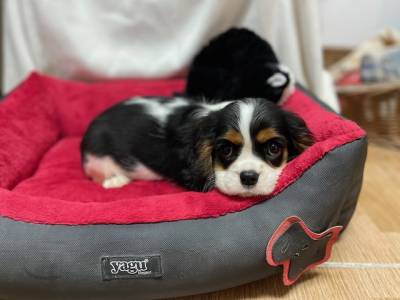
<point>247,160</point>
<point>246,111</point>
<point>157,109</point>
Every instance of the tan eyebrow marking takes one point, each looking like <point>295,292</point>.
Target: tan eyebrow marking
<point>234,137</point>
<point>266,134</point>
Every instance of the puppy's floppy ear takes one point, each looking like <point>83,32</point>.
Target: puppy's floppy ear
<point>204,147</point>
<point>299,136</point>
<point>198,151</point>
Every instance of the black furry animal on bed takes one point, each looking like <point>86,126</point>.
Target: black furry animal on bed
<point>238,64</point>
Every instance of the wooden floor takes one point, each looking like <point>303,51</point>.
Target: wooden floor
<point>365,262</point>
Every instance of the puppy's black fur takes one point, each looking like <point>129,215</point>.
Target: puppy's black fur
<point>129,136</point>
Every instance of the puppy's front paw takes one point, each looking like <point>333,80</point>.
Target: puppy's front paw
<point>116,181</point>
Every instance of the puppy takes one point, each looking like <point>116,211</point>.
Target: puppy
<point>239,147</point>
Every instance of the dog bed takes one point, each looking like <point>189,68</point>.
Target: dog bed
<point>65,237</point>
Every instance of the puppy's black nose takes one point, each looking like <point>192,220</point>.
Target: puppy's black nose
<point>248,178</point>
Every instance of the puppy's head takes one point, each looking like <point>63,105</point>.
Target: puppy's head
<point>251,143</point>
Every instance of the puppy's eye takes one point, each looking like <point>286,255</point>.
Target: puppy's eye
<point>273,148</point>
<point>226,150</point>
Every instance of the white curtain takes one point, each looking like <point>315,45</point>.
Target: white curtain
<point>102,39</point>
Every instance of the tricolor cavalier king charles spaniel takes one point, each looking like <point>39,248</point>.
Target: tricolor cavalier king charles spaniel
<point>240,147</point>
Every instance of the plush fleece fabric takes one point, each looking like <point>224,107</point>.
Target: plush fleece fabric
<point>41,180</point>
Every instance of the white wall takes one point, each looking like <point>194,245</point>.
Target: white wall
<point>346,23</point>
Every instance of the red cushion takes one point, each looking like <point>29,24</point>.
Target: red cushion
<point>41,180</point>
